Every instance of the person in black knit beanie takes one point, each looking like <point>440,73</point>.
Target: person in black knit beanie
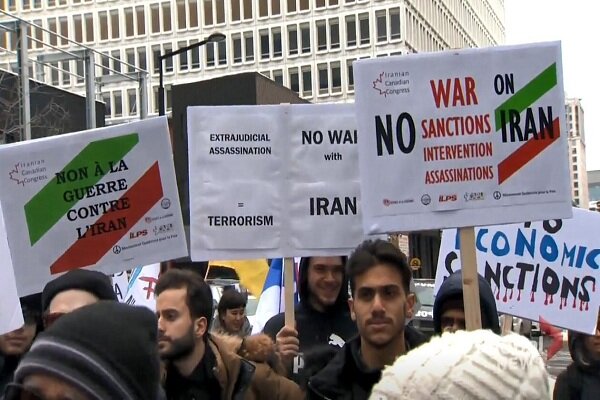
<point>74,289</point>
<point>103,351</point>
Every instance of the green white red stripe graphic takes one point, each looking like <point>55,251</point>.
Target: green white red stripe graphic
<point>520,101</point>
<point>47,207</point>
<point>142,196</point>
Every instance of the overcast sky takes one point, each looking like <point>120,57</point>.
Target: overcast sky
<point>576,24</point>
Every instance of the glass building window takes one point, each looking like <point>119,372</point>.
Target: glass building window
<point>141,20</point>
<point>117,103</point>
<point>195,56</point>
<point>249,45</point>
<point>181,15</point>
<point>323,78</point>
<point>364,28</point>
<point>350,30</point>
<point>210,54</point>
<point>155,14</point>
<point>222,47</point>
<point>307,81</point>
<point>141,55</point>
<point>114,24</point>
<point>291,6</point>
<point>183,57</point>
<point>166,17</point>
<point>129,25</point>
<point>292,40</point>
<point>237,49</point>
<point>394,23</point>
<point>264,44</point>
<point>294,80</point>
<point>334,33</point>
<point>336,77</point>
<point>321,35</point>
<point>277,48</point>
<point>278,76</point>
<point>381,19</point>
<point>193,13</point>
<point>305,35</point>
<point>350,72</point>
<point>132,101</point>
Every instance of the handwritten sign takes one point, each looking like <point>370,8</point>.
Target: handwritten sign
<point>546,269</point>
<point>105,198</point>
<point>265,179</point>
<point>462,138</point>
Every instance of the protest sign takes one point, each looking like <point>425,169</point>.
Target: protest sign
<point>105,198</point>
<point>462,138</point>
<point>11,317</point>
<point>273,181</point>
<point>537,270</point>
<point>120,283</point>
<point>140,291</point>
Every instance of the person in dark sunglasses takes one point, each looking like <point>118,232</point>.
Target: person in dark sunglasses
<point>13,345</point>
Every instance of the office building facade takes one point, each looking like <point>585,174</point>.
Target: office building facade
<point>306,45</point>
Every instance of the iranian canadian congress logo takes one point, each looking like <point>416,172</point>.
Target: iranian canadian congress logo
<point>26,172</point>
<point>392,83</point>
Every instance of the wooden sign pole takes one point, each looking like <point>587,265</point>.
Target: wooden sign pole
<point>288,283</point>
<point>468,259</point>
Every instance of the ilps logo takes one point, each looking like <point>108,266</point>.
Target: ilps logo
<point>135,235</point>
<point>448,197</point>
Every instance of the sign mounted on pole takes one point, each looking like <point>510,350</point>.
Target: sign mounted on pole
<point>466,138</point>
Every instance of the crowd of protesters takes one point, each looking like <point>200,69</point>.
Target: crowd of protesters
<point>351,340</point>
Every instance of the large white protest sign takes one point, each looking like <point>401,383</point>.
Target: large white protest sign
<point>273,181</point>
<point>11,317</point>
<point>546,269</point>
<point>140,291</point>
<point>105,198</point>
<point>462,138</point>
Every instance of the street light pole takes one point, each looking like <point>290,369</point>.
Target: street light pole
<point>213,38</point>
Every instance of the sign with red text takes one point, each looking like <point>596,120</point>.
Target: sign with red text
<point>140,291</point>
<point>462,138</point>
<point>273,181</point>
<point>546,269</point>
<point>11,317</point>
<point>105,198</point>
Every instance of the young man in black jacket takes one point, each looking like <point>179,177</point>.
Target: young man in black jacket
<point>381,303</point>
<point>322,315</point>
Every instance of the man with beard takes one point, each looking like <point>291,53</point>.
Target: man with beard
<point>381,302</point>
<point>323,322</point>
<point>207,366</point>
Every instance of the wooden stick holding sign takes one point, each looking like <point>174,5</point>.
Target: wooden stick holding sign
<point>468,259</point>
<point>288,283</point>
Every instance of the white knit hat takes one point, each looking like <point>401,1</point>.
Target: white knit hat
<point>467,365</point>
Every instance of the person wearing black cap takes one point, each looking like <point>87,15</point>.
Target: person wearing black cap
<point>75,289</point>
<point>322,315</point>
<point>13,345</point>
<point>449,311</point>
<point>103,351</point>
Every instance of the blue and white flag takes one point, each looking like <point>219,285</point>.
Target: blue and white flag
<point>272,301</point>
